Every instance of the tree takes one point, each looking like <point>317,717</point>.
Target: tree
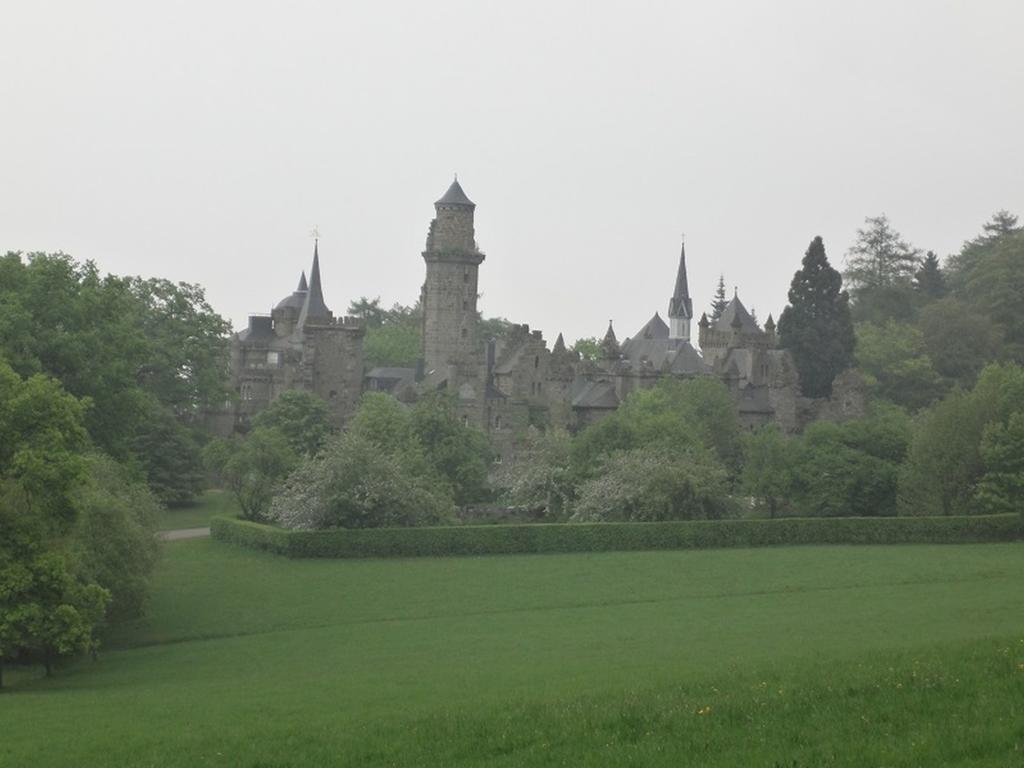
<point>674,415</point>
<point>816,326</point>
<point>588,348</point>
<point>113,540</point>
<point>651,483</point>
<point>536,475</point>
<point>367,310</point>
<point>959,340</point>
<point>395,339</point>
<point>301,417</point>
<point>458,453</point>
<point>1001,488</point>
<point>944,463</point>
<point>929,280</point>
<point>767,466</point>
<point>352,484</point>
<point>896,364</point>
<point>169,453</point>
<point>253,467</point>
<point>880,257</point>
<point>720,302</point>
<point>45,611</point>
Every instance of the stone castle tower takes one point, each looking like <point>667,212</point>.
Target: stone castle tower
<point>449,293</point>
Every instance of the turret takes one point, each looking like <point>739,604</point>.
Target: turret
<point>769,330</point>
<point>680,306</point>
<point>610,345</point>
<point>450,288</point>
<point>286,314</point>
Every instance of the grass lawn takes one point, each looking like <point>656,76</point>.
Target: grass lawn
<point>803,656</point>
<point>198,515</point>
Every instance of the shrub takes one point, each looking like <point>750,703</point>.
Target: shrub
<point>547,538</point>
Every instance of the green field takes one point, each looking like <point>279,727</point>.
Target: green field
<point>198,515</point>
<point>809,656</point>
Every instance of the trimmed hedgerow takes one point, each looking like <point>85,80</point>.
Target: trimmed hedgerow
<point>604,537</point>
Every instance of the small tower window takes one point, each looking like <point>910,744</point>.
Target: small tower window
<point>465,276</point>
<point>464,333</point>
<point>273,358</point>
<point>536,361</point>
<point>465,304</point>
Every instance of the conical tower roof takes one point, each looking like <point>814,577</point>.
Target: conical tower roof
<point>455,196</point>
<point>314,308</point>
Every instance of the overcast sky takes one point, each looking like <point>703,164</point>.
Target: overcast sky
<point>202,141</point>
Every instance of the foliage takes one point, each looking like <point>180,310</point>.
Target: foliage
<point>368,310</point>
<point>648,484</point>
<point>252,468</point>
<point>41,442</point>
<point>169,454</point>
<point>880,257</point>
<point>458,453</point>
<point>721,300</point>
<point>929,279</point>
<point>123,343</point>
<point>537,474</point>
<point>767,466</point>
<point>493,328</point>
<point>302,418</point>
<point>113,538</point>
<point>1001,488</point>
<point>850,469</point>
<point>553,538</point>
<point>588,348</point>
<point>896,364</point>
<point>673,415</point>
<point>959,339</point>
<point>816,327</point>
<point>352,484</point>
<point>392,345</point>
<point>944,462</point>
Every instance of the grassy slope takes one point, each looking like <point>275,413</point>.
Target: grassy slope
<point>248,659</point>
<point>198,515</point>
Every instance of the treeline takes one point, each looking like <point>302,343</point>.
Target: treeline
<point>102,383</point>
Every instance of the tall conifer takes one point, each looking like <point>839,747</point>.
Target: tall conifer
<point>816,326</point>
<point>720,302</point>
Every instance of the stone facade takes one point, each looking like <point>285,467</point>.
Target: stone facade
<point>506,386</point>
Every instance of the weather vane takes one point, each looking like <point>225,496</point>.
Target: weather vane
<point>315,233</point>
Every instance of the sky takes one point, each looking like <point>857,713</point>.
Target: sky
<point>203,142</point>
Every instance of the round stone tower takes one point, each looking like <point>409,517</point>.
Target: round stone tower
<point>450,290</point>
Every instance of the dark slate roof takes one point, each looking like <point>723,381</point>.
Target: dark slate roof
<point>655,328</point>
<point>297,298</point>
<point>559,347</point>
<point>688,361</point>
<point>391,373</point>
<point>596,394</point>
<point>755,400</point>
<point>455,196</point>
<point>303,285</point>
<point>314,307</point>
<point>735,311</point>
<point>680,305</point>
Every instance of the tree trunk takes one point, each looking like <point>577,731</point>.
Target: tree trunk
<point>48,664</point>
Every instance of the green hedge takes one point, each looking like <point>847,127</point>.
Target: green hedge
<point>603,537</point>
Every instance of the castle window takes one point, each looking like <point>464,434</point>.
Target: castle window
<point>465,276</point>
<point>464,333</point>
<point>273,358</point>
<point>497,422</point>
<point>536,361</point>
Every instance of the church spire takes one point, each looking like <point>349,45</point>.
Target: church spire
<point>314,307</point>
<point>680,306</point>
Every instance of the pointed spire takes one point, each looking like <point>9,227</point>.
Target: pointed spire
<point>680,305</point>
<point>559,347</point>
<point>303,286</point>
<point>769,324</point>
<point>704,322</point>
<point>610,345</point>
<point>314,308</point>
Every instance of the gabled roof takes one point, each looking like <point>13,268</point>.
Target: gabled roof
<point>735,314</point>
<point>688,361</point>
<point>596,394</point>
<point>455,196</point>
<point>656,328</point>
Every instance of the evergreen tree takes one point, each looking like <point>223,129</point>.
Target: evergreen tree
<point>720,302</point>
<point>1002,223</point>
<point>929,279</point>
<point>880,258</point>
<point>816,325</point>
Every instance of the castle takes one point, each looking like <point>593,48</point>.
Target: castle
<point>505,386</point>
